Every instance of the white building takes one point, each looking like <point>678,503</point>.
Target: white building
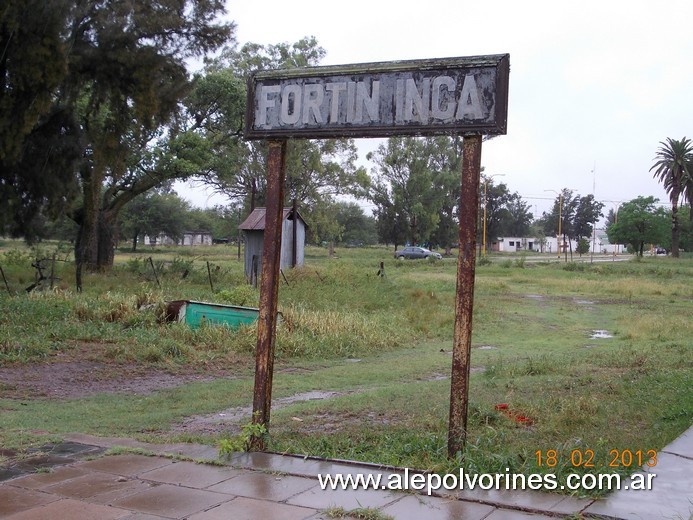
<point>599,244</point>
<point>189,238</point>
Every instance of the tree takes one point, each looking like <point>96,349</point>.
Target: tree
<point>38,141</point>
<point>358,229</point>
<point>316,170</point>
<point>639,222</point>
<point>673,168</point>
<point>587,213</point>
<point>153,214</point>
<point>125,77</point>
<point>583,246</point>
<point>403,191</point>
<point>516,218</point>
<point>578,215</point>
<point>493,199</point>
<point>445,158</point>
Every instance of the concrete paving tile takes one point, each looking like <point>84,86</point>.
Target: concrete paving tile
<point>72,510</point>
<point>126,465</point>
<point>265,486</point>
<point>42,480</point>
<point>671,495</point>
<point>326,467</point>
<point>171,501</point>
<point>509,514</point>
<point>683,445</point>
<point>571,505</point>
<point>277,463</point>
<point>104,442</point>
<point>94,483</point>
<point>193,451</point>
<point>144,516</point>
<point>513,498</point>
<point>10,473</point>
<point>190,474</point>
<point>70,448</point>
<point>14,499</point>
<point>348,499</point>
<point>242,508</point>
<point>416,507</point>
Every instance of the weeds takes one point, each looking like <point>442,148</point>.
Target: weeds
<point>390,410</point>
<point>242,441</point>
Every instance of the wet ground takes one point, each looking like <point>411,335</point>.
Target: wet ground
<point>131,486</point>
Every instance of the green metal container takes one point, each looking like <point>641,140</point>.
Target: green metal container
<point>196,313</point>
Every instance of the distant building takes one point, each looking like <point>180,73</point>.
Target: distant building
<point>253,228</point>
<point>506,244</point>
<point>189,238</point>
<point>598,244</point>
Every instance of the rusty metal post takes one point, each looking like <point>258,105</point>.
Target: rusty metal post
<point>294,239</point>
<point>464,301</point>
<point>269,289</point>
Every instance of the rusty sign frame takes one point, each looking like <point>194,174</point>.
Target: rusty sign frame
<point>408,92</point>
<point>468,127</point>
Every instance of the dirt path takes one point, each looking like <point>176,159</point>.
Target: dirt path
<point>78,374</point>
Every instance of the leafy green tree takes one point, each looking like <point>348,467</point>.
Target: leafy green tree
<point>324,225</point>
<point>38,140</point>
<point>357,227</point>
<point>316,170</point>
<point>583,246</point>
<point>152,214</point>
<point>673,167</point>
<point>125,76</point>
<point>506,213</point>
<point>445,161</point>
<point>587,213</point>
<point>222,221</point>
<point>639,222</point>
<point>517,218</point>
<point>403,190</point>
<point>578,215</point>
<point>686,235</point>
<point>492,200</point>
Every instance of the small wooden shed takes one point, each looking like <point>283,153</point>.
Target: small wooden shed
<point>293,231</point>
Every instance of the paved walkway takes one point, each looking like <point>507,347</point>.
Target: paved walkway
<point>82,484</point>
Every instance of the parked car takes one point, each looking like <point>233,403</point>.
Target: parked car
<point>412,252</point>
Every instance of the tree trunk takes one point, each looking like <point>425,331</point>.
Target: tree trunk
<point>675,228</point>
<point>134,241</point>
<point>105,245</point>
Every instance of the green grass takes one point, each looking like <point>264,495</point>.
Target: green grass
<point>383,344</point>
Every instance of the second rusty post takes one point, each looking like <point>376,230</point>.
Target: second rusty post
<point>464,300</point>
<point>269,288</point>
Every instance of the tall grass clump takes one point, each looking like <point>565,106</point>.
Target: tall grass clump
<point>326,333</point>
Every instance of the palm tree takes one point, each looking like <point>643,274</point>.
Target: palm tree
<point>672,167</point>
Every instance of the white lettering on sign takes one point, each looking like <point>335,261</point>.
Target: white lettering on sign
<point>441,98</point>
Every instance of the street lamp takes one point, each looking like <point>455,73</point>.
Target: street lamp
<point>486,179</point>
<point>560,209</point>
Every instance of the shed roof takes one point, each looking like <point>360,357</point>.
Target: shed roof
<point>256,220</point>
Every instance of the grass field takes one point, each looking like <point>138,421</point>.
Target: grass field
<point>378,349</point>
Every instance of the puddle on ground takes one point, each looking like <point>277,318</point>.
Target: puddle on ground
<point>584,302</point>
<point>486,347</point>
<point>534,296</point>
<point>601,334</point>
<point>436,377</point>
<point>235,415</point>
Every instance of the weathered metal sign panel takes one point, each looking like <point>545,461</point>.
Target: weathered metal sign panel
<point>466,95</point>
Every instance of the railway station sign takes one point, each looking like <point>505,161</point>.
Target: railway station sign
<point>466,95</point>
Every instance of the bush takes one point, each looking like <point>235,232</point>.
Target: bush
<point>243,295</point>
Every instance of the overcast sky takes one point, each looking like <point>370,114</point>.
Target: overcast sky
<point>594,85</point>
